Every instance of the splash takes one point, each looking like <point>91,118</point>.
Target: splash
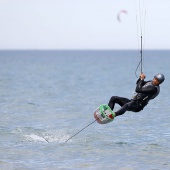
<point>35,138</point>
<point>40,135</point>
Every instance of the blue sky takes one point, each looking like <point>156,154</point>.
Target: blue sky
<point>83,24</point>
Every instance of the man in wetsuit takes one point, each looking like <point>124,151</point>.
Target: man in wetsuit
<point>146,90</point>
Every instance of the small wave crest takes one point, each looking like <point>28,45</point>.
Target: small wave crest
<point>41,135</point>
<point>36,138</point>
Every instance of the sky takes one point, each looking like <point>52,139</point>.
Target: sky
<point>84,24</point>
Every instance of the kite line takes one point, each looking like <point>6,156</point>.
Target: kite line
<point>140,22</point>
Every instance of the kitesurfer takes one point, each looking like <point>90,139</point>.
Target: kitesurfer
<point>145,91</point>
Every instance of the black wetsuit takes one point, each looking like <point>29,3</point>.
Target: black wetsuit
<point>145,92</point>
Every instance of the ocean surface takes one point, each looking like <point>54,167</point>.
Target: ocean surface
<point>48,96</point>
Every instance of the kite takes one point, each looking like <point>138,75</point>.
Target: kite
<point>120,13</point>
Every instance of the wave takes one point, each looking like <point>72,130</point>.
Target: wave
<point>40,135</point>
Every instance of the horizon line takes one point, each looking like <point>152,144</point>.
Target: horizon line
<point>83,50</point>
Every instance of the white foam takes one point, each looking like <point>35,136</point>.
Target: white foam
<point>56,138</point>
<point>34,135</point>
<point>36,138</point>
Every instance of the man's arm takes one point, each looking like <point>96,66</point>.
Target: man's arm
<point>147,89</point>
<point>141,77</point>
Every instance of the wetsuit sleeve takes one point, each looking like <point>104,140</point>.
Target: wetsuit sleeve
<point>139,81</point>
<point>146,90</point>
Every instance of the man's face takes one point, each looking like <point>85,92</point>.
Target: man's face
<point>155,81</point>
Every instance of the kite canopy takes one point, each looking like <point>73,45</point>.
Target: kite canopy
<point>120,13</point>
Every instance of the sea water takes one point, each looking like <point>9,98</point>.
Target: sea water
<point>48,96</point>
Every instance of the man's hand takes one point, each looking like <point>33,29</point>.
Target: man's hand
<point>142,76</point>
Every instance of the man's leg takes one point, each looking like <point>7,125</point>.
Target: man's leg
<point>119,100</point>
<point>130,106</point>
